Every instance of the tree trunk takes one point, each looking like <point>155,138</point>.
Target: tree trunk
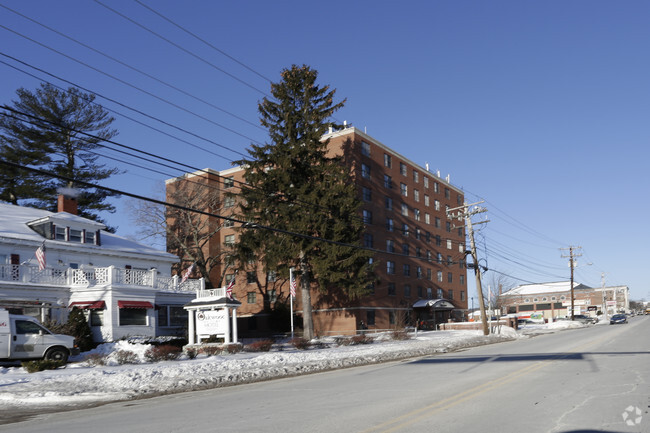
<point>308,324</point>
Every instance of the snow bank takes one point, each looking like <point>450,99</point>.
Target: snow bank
<point>84,382</point>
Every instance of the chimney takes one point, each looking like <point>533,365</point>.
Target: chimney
<point>67,203</point>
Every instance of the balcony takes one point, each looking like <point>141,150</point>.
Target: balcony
<point>96,277</point>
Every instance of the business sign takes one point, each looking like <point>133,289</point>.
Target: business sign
<point>611,303</point>
<point>211,322</point>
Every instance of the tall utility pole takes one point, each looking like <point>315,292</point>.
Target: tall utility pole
<point>465,212</point>
<point>572,264</point>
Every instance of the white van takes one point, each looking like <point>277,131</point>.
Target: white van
<point>23,338</point>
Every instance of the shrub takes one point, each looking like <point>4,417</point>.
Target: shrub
<point>300,343</point>
<point>191,352</point>
<point>259,346</point>
<point>95,359</point>
<point>162,353</point>
<point>400,334</point>
<point>362,339</point>
<point>232,348</point>
<point>126,357</point>
<point>41,364</point>
<point>210,350</point>
<point>78,327</point>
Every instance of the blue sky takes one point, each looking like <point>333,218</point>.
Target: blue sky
<point>539,108</point>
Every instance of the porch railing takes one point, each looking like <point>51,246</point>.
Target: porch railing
<point>96,276</point>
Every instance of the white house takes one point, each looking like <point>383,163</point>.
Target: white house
<point>125,287</point>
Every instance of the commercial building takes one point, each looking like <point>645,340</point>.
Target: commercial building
<point>420,252</point>
<point>553,300</point>
<point>124,287</point>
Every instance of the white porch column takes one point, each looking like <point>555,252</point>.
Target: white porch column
<point>191,333</point>
<point>234,325</point>
<point>226,338</point>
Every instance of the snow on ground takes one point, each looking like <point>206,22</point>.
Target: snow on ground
<point>82,383</point>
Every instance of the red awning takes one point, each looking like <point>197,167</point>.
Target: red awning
<point>134,304</point>
<point>90,305</point>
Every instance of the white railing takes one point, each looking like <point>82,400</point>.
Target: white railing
<point>211,293</point>
<point>90,277</point>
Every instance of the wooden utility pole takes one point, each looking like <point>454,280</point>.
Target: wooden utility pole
<point>572,264</point>
<point>466,213</point>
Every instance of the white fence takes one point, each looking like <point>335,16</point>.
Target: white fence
<point>90,277</point>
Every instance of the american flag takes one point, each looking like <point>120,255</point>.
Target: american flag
<point>292,287</point>
<point>40,257</point>
<point>229,288</point>
<point>187,273</point>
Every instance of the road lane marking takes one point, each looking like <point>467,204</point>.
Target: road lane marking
<point>414,416</point>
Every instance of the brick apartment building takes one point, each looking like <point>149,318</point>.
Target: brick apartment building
<point>420,252</point>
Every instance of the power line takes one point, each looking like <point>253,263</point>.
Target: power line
<point>202,40</point>
<point>134,68</point>
<point>126,83</point>
<point>196,56</point>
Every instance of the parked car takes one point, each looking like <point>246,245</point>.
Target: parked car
<point>618,318</point>
<point>582,318</point>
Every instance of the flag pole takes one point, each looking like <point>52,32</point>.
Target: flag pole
<point>291,296</point>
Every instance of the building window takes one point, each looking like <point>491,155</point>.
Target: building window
<point>389,203</point>
<point>439,275</point>
<point>425,181</point>
<point>462,295</point>
<point>365,148</point>
<point>388,160</point>
<point>450,294</point>
<point>405,249</point>
<point>416,176</point>
<point>251,297</point>
<point>416,212</point>
<point>436,222</point>
<point>428,255</point>
<point>390,267</point>
<point>450,278</point>
<point>405,210</point>
<point>389,224</point>
<point>365,171</point>
<point>449,261</point>
<point>406,270</point>
<point>439,294</point>
<point>390,246</point>
<point>133,317</point>
<point>391,318</point>
<point>418,252</point>
<point>367,216</point>
<point>89,237</point>
<point>418,233</point>
<point>448,226</point>
<point>228,182</point>
<point>407,291</point>
<point>447,194</point>
<point>370,318</point>
<point>391,289</point>
<point>429,274</point>
<point>368,240</point>
<point>366,194</point>
<point>418,272</point>
<point>405,229</point>
<point>462,279</point>
<point>448,244</point>
<point>460,248</point>
<point>420,292</point>
<point>459,200</point>
<point>428,237</point>
<point>404,189</point>
<point>388,181</point>
<point>416,195</point>
<point>436,187</point>
<point>60,233</point>
<point>172,316</point>
<point>75,235</point>
<point>96,318</point>
<point>228,201</point>
<point>230,239</point>
<point>427,218</point>
<point>436,205</point>
<point>251,277</point>
<point>402,168</point>
<point>426,199</point>
<point>438,241</point>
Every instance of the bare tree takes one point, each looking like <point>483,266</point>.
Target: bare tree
<point>496,284</point>
<point>187,233</point>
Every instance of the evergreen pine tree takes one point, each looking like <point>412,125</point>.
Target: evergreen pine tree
<point>78,327</point>
<point>296,186</point>
<point>47,129</point>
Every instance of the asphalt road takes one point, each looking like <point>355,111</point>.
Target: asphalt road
<point>590,379</point>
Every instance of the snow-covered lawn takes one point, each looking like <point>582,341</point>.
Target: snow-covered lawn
<point>82,383</point>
